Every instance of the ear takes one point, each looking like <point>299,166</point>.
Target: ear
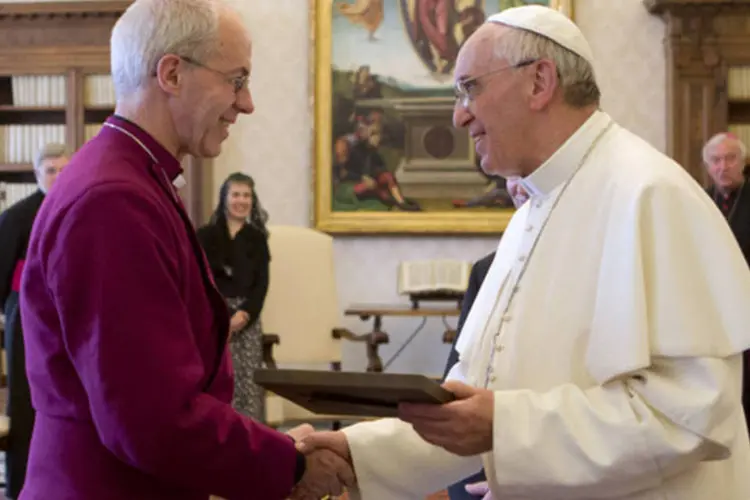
<point>169,73</point>
<point>545,84</point>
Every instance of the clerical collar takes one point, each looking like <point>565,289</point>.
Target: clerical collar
<point>564,162</point>
<point>150,147</point>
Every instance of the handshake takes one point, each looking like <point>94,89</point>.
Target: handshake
<point>329,467</point>
<point>462,427</point>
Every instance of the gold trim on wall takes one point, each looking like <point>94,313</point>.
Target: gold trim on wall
<point>325,218</point>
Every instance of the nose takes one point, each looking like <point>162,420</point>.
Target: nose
<point>461,115</point>
<point>244,102</point>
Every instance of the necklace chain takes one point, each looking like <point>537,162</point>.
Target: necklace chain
<point>526,261</point>
<point>137,141</point>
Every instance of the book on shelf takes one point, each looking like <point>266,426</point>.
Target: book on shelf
<point>438,276</point>
<point>11,193</point>
<point>90,130</point>
<point>738,84</point>
<point>20,143</point>
<point>50,91</point>
<point>38,91</point>
<point>741,131</point>
<point>98,91</point>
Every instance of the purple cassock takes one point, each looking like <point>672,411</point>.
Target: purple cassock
<point>126,343</point>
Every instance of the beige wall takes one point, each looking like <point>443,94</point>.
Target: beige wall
<point>273,145</point>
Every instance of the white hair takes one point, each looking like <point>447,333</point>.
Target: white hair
<point>576,75</point>
<point>150,29</point>
<point>717,139</point>
<point>50,151</point>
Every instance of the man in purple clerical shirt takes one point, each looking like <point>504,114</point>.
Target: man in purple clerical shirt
<point>126,335</point>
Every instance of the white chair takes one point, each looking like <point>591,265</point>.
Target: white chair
<point>300,314</point>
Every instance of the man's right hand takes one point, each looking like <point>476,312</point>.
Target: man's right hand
<point>326,473</point>
<point>329,467</point>
<point>326,440</point>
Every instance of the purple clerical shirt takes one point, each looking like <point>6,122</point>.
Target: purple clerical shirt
<point>126,343</point>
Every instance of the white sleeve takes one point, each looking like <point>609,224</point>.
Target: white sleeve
<point>613,440</point>
<point>391,461</point>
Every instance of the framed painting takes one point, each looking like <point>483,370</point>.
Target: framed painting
<point>387,158</point>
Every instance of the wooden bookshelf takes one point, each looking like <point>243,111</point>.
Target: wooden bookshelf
<point>66,43</point>
<point>705,41</point>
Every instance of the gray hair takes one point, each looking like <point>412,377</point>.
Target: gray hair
<point>717,139</point>
<point>150,29</point>
<point>50,151</point>
<point>576,75</point>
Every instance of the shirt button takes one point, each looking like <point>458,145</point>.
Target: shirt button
<point>529,228</point>
<point>493,378</point>
<point>506,317</point>
<point>539,204</point>
<point>499,348</point>
<point>521,258</point>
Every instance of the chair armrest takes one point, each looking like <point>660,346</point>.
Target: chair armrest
<point>269,340</point>
<point>373,340</point>
<point>449,336</point>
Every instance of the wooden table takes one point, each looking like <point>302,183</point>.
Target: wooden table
<point>377,336</point>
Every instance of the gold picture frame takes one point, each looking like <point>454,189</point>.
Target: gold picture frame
<point>326,216</point>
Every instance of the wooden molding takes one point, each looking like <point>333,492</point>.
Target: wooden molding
<point>703,39</point>
<point>662,6</point>
<point>37,10</point>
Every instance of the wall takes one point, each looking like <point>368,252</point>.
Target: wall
<point>273,145</point>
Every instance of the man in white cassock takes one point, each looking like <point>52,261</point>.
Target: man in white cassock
<point>602,356</point>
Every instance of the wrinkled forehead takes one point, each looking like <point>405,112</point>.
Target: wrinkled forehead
<point>725,147</point>
<point>56,162</point>
<point>477,54</point>
<point>235,45</point>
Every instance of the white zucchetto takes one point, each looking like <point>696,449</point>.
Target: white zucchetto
<point>549,23</point>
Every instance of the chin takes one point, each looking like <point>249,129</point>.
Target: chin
<point>210,150</point>
<point>489,167</point>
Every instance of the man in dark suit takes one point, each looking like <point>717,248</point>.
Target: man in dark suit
<point>478,272</point>
<point>725,158</point>
<point>15,228</point>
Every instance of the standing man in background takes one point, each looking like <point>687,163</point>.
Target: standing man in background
<point>127,334</point>
<point>15,229</point>
<point>725,159</point>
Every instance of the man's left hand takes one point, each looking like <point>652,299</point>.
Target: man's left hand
<point>463,426</point>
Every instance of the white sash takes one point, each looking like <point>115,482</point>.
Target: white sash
<point>476,323</point>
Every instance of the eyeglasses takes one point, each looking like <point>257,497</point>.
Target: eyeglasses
<point>238,82</point>
<point>466,90</point>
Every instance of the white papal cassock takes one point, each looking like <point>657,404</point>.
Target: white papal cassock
<point>610,326</point>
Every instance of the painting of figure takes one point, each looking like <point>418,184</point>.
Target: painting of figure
<point>387,157</point>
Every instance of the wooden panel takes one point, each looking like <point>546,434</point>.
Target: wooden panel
<point>72,39</point>
<point>703,39</point>
<point>739,112</point>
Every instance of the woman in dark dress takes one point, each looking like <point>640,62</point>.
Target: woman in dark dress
<point>236,244</point>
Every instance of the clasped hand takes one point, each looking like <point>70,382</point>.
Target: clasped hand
<point>463,427</point>
<point>329,469</point>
